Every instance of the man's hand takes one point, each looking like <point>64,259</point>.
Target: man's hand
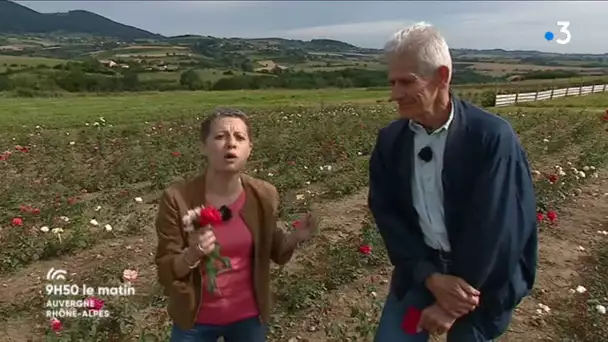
<point>435,321</point>
<point>453,294</point>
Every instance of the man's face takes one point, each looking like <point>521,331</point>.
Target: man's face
<point>415,95</point>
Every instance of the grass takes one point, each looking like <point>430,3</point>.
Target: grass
<point>19,62</point>
<point>95,172</point>
<point>586,101</point>
<point>206,75</point>
<point>125,108</point>
<point>7,60</point>
<point>499,69</point>
<point>129,108</point>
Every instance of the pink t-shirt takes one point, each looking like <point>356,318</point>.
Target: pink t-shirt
<point>234,297</point>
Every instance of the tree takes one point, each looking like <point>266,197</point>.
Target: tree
<point>191,80</point>
<point>247,66</point>
<point>5,83</point>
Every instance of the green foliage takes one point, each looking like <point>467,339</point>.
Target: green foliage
<point>191,80</point>
<point>488,98</point>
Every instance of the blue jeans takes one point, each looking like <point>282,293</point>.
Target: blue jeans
<point>247,330</point>
<point>390,330</point>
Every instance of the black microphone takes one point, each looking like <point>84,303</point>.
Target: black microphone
<point>226,213</point>
<point>426,154</point>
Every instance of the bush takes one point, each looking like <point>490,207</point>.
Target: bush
<point>488,98</point>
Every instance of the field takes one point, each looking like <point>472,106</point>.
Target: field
<point>206,75</point>
<point>499,69</point>
<point>20,62</point>
<point>83,175</point>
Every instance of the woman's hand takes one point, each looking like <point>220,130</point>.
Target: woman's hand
<point>308,225</point>
<point>203,241</point>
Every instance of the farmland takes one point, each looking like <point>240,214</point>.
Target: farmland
<point>89,64</point>
<point>84,173</point>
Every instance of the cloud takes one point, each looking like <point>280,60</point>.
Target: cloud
<point>465,24</point>
<point>349,29</point>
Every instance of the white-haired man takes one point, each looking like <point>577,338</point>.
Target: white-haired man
<point>452,195</point>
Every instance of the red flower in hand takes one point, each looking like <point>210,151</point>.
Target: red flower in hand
<point>211,216</point>
<point>410,320</point>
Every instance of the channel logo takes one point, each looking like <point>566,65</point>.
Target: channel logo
<point>54,274</point>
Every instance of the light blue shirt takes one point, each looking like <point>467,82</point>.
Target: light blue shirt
<point>427,187</point>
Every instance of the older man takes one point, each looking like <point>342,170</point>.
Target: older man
<point>452,195</point>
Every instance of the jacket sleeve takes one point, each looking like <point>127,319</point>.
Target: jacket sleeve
<point>283,245</point>
<point>173,259</point>
<point>501,220</point>
<point>406,251</point>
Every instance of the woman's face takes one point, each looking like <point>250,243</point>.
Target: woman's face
<point>228,145</point>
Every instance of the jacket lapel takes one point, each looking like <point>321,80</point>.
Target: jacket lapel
<point>196,192</point>
<point>403,154</point>
<point>454,142</point>
<point>250,213</point>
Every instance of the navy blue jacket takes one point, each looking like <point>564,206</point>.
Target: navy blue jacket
<point>489,205</point>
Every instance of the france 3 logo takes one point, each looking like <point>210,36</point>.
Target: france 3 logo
<point>565,32</point>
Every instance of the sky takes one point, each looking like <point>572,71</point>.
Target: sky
<point>516,25</point>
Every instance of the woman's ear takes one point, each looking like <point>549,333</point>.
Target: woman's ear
<point>203,148</point>
<point>250,150</point>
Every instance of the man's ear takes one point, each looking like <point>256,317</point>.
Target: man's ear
<point>443,72</point>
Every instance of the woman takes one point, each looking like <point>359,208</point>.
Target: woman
<point>238,310</point>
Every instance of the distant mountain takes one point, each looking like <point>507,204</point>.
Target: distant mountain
<point>16,18</point>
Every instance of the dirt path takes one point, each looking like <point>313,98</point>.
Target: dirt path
<point>561,248</point>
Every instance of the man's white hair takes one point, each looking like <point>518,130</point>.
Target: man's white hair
<point>424,43</point>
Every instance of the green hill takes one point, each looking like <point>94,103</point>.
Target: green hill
<point>15,18</point>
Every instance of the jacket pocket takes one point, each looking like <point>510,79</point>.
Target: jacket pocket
<point>181,299</point>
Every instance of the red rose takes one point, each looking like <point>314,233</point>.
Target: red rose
<point>211,216</point>
<point>552,216</point>
<point>552,179</point>
<point>17,221</point>
<point>410,321</point>
<point>56,325</point>
<point>365,249</point>
<point>95,304</point>
<point>540,217</point>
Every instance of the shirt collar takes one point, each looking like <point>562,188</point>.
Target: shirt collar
<point>417,128</point>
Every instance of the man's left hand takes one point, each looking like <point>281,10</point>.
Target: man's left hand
<point>435,320</point>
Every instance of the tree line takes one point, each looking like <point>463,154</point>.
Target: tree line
<point>91,76</point>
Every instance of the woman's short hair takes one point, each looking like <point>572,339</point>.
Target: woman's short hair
<point>223,112</point>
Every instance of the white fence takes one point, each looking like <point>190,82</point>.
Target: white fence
<point>512,99</point>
